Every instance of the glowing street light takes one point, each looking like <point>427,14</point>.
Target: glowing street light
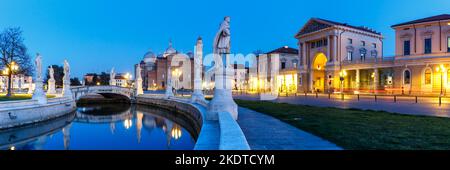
<point>441,69</point>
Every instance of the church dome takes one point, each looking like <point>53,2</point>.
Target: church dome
<point>170,49</point>
<point>149,57</point>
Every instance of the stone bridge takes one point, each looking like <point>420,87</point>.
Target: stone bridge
<point>105,91</point>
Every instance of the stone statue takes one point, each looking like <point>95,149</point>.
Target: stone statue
<point>51,82</point>
<point>222,39</point>
<point>197,95</point>
<point>222,100</point>
<point>138,81</point>
<point>38,93</point>
<point>67,92</point>
<point>66,71</point>
<point>138,72</point>
<point>51,73</point>
<point>222,43</point>
<point>112,77</point>
<point>38,62</point>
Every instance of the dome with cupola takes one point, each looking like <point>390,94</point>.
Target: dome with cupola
<point>149,57</point>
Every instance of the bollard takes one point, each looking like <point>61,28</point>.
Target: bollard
<point>306,95</point>
<point>329,95</point>
<point>395,99</point>
<point>440,100</point>
<point>342,96</point>
<point>358,97</point>
<point>416,99</point>
<point>317,95</point>
<point>375,98</point>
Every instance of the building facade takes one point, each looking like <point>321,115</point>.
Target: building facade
<point>337,57</point>
<point>154,69</point>
<point>279,66</point>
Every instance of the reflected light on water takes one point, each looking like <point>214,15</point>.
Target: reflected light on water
<point>128,123</point>
<point>176,132</point>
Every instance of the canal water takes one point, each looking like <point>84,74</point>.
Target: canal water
<point>105,127</point>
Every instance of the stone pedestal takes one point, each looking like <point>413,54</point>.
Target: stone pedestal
<point>169,92</point>
<point>51,87</point>
<point>39,93</point>
<point>223,97</point>
<point>66,89</point>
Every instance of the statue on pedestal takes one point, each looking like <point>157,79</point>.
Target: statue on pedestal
<point>169,88</point>
<point>51,81</point>
<point>112,76</point>
<point>138,83</point>
<point>223,99</point>
<point>39,94</point>
<point>67,92</point>
<point>197,95</point>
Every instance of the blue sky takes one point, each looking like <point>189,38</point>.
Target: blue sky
<point>96,35</point>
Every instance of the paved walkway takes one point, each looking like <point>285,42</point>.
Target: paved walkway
<point>264,132</point>
<point>403,105</point>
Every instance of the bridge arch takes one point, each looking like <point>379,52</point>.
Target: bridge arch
<point>105,91</point>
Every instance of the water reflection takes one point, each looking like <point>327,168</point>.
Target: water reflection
<point>105,127</point>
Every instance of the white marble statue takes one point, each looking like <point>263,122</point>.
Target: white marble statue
<point>67,92</point>
<point>51,72</point>
<point>38,63</point>
<point>138,83</point>
<point>169,92</point>
<point>223,99</point>
<point>197,95</point>
<point>38,93</point>
<point>112,76</point>
<point>51,81</point>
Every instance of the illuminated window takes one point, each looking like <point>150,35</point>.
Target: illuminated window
<point>448,44</point>
<point>428,76</point>
<point>350,55</point>
<point>407,77</point>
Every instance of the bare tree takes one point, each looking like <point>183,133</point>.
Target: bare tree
<point>14,57</point>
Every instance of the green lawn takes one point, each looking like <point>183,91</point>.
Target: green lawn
<point>19,97</point>
<point>358,129</point>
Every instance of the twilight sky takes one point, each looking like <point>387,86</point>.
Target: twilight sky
<point>96,35</point>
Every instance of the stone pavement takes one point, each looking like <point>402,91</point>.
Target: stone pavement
<point>403,105</point>
<point>264,132</point>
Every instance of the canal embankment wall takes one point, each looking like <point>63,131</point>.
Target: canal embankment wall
<point>223,134</point>
<point>24,112</point>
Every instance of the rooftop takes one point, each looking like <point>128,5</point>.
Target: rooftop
<point>285,50</point>
<point>323,23</point>
<point>428,19</point>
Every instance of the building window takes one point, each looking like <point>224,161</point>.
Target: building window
<point>374,45</point>
<point>427,46</point>
<point>448,44</point>
<point>295,63</point>
<point>406,47</point>
<point>350,55</point>
<point>363,43</point>
<point>363,52</point>
<point>428,76</point>
<point>325,42</point>
<point>283,65</point>
<point>350,41</point>
<point>407,77</point>
<point>313,45</point>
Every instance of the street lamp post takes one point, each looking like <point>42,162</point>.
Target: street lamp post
<point>441,69</point>
<point>342,75</point>
<point>9,71</point>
